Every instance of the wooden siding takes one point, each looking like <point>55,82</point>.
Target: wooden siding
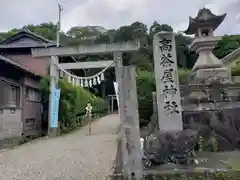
<point>38,64</point>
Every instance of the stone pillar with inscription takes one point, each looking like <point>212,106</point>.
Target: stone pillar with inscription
<point>167,83</point>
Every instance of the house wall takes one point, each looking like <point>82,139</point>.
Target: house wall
<point>10,113</point>
<point>10,123</point>
<point>38,64</point>
<point>232,63</point>
<point>32,82</point>
<point>25,118</point>
<point>32,107</point>
<point>32,118</point>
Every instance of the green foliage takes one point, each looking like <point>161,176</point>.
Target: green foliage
<point>220,176</point>
<point>206,145</point>
<point>73,101</point>
<point>137,30</point>
<point>96,34</point>
<point>156,27</point>
<point>126,33</point>
<point>201,143</point>
<point>47,30</point>
<point>10,33</point>
<point>45,91</point>
<point>87,31</point>
<point>145,87</point>
<point>184,75</point>
<point>214,144</point>
<point>228,44</point>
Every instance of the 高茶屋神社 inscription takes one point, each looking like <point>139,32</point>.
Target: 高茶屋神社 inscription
<point>167,82</point>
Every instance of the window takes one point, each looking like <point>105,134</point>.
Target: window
<point>12,95</point>
<point>30,124</point>
<point>9,94</point>
<point>33,94</point>
<point>30,121</point>
<point>205,32</point>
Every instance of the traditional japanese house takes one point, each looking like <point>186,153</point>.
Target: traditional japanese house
<point>232,59</point>
<point>18,48</point>
<point>20,101</point>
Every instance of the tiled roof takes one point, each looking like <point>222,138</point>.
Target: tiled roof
<point>23,67</point>
<point>7,46</point>
<point>25,31</point>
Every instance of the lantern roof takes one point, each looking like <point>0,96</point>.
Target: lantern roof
<point>205,18</point>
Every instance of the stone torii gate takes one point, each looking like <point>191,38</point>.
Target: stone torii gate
<point>125,76</point>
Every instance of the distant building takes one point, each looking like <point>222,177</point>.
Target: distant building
<point>232,59</point>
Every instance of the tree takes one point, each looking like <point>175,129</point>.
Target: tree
<point>186,58</point>
<point>8,34</point>
<point>47,30</point>
<point>156,27</point>
<point>124,33</point>
<point>137,30</point>
<point>227,45</point>
<point>103,38</point>
<point>87,31</point>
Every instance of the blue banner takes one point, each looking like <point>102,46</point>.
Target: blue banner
<point>55,108</point>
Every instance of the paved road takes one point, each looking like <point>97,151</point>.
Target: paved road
<point>72,157</point>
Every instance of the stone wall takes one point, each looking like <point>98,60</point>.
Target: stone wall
<point>10,123</point>
<point>221,123</point>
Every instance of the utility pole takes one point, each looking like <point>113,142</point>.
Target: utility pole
<point>60,8</point>
<point>53,127</point>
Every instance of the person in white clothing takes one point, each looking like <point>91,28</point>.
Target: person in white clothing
<point>89,115</point>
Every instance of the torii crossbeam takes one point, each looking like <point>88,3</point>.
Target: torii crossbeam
<point>86,49</point>
<point>87,65</point>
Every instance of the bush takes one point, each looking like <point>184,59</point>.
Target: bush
<point>145,87</point>
<point>184,75</point>
<point>72,102</point>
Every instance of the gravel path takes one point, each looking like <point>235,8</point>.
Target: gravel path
<point>72,157</point>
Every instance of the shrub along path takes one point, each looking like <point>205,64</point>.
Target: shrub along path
<point>75,156</point>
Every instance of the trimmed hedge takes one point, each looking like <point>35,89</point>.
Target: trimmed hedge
<point>73,101</point>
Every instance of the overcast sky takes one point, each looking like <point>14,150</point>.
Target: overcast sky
<point>115,13</point>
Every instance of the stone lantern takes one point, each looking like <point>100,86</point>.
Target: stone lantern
<point>203,26</point>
